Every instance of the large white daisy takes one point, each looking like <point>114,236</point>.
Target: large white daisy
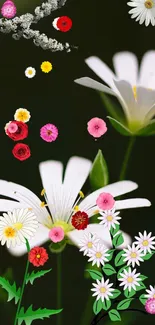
<point>61,198</point>
<point>143,11</point>
<point>134,90</point>
<point>103,289</point>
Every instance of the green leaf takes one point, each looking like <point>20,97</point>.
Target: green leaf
<point>129,294</point>
<point>115,294</point>
<point>110,252</point>
<point>143,299</point>
<point>97,306</point>
<point>148,130</point>
<point>141,287</point>
<point>118,126</point>
<point>30,315</point>
<point>91,267</point>
<point>106,304</point>
<point>143,277</point>
<point>114,231</point>
<point>95,275</point>
<point>147,256</point>
<point>99,173</point>
<point>12,291</point>
<point>118,240</point>
<point>8,274</point>
<point>119,259</point>
<point>124,304</point>
<point>33,276</point>
<point>108,269</point>
<point>114,315</point>
<point>125,267</point>
<point>112,108</point>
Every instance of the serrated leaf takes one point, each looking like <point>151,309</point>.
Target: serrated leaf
<point>106,304</point>
<point>35,275</point>
<point>118,126</point>
<point>95,275</point>
<point>97,306</point>
<point>99,176</point>
<point>30,315</point>
<point>108,269</point>
<point>115,294</point>
<point>129,294</point>
<point>113,230</point>
<point>143,299</point>
<point>11,289</point>
<point>119,259</point>
<point>114,315</point>
<point>110,252</point>
<point>118,240</point>
<point>124,304</point>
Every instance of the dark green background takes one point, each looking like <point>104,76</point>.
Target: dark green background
<point>100,28</point>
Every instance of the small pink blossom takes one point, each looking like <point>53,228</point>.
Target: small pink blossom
<point>49,132</point>
<point>96,127</point>
<point>12,127</point>
<point>8,9</point>
<point>56,234</point>
<point>105,201</point>
<point>150,306</point>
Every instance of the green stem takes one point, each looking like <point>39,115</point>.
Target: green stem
<point>126,158</point>
<point>59,285</point>
<point>23,285</point>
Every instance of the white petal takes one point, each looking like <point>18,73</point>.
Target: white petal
<point>91,83</point>
<point>147,70</point>
<point>126,67</point>
<point>6,205</point>
<point>145,101</point>
<point>132,203</point>
<point>38,239</point>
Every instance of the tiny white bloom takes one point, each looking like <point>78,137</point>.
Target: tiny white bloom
<point>129,279</point>
<point>17,226</point>
<point>133,255</point>
<point>145,242</point>
<point>30,72</point>
<point>98,255</point>
<point>109,218</point>
<point>102,289</point>
<point>88,242</point>
<point>143,11</point>
<point>151,293</point>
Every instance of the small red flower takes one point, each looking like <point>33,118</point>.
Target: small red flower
<point>21,132</point>
<point>38,256</point>
<point>21,151</point>
<point>80,220</point>
<point>64,23</point>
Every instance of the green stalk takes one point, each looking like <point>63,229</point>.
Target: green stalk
<point>59,287</point>
<point>126,158</point>
<point>23,285</point>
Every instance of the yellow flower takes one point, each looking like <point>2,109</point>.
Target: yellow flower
<point>46,66</point>
<point>22,115</point>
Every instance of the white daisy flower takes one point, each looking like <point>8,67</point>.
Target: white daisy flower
<point>102,289</point>
<point>145,242</point>
<point>98,255</point>
<point>109,218</point>
<point>16,226</point>
<point>143,11</point>
<point>61,196</point>
<point>30,72</point>
<point>88,242</point>
<point>133,255</point>
<point>133,87</point>
<point>129,279</point>
<point>151,293</point>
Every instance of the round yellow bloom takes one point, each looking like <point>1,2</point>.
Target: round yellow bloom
<point>22,115</point>
<point>46,66</point>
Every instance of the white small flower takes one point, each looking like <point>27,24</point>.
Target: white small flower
<point>145,242</point>
<point>30,72</point>
<point>98,255</point>
<point>151,293</point>
<point>17,226</point>
<point>102,289</point>
<point>88,242</point>
<point>109,218</point>
<point>133,255</point>
<point>143,11</point>
<point>129,279</point>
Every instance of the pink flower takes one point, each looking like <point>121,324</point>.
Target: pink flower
<point>96,127</point>
<point>150,306</point>
<point>8,9</point>
<point>56,234</point>
<point>49,132</point>
<point>12,127</point>
<point>105,201</point>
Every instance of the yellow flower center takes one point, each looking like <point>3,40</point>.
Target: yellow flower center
<point>38,256</point>
<point>130,279</point>
<point>109,218</point>
<point>103,290</point>
<point>46,66</point>
<point>133,255</point>
<point>98,255</point>
<point>30,71</point>
<point>89,245</point>
<point>145,243</point>
<point>9,232</point>
<point>64,225</point>
<point>149,4</point>
<point>18,226</point>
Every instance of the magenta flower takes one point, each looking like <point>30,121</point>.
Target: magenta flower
<point>105,201</point>
<point>8,9</point>
<point>56,234</point>
<point>96,127</point>
<point>49,132</point>
<point>12,127</point>
<point>150,306</point>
